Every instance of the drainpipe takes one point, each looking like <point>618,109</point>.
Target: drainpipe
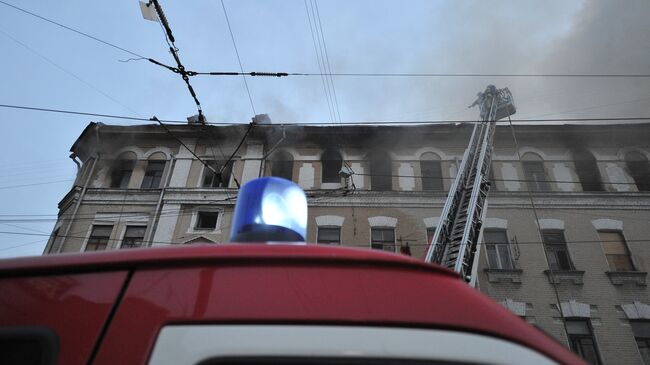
<point>156,217</point>
<point>77,204</point>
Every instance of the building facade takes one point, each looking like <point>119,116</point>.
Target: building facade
<point>565,241</point>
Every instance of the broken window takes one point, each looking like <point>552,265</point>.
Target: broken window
<point>587,170</point>
<point>639,169</point>
<point>133,236</point>
<point>431,172</point>
<point>535,173</point>
<point>153,174</point>
<point>381,178</point>
<point>282,165</point>
<point>207,220</point>
<point>331,162</point>
<point>99,237</point>
<point>220,179</point>
<point>121,173</point>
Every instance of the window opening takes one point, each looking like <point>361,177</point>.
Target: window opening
<point>498,249</point>
<point>431,171</point>
<point>207,220</point>
<point>133,237</point>
<point>99,237</point>
<point>380,171</point>
<point>581,340</point>
<point>383,239</point>
<point>639,169</point>
<point>282,165</point>
<point>535,176</point>
<point>331,162</point>
<point>557,251</point>
<point>587,170</point>
<point>329,235</point>
<point>121,173</point>
<point>618,257</point>
<point>641,330</point>
<point>216,180</point>
<point>153,175</point>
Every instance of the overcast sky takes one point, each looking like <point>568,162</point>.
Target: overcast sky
<point>49,67</point>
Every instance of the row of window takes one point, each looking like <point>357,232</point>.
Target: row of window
<point>498,248</point>
<point>123,169</point>
<point>582,341</point>
<point>535,176</point>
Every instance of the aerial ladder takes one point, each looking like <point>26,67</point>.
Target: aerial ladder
<point>455,242</point>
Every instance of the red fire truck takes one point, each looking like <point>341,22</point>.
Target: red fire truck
<point>255,304</point>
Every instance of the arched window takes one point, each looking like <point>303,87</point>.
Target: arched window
<point>154,171</point>
<point>587,171</point>
<point>638,167</point>
<point>431,171</point>
<point>331,162</point>
<point>282,165</point>
<point>122,169</point>
<point>535,173</point>
<point>380,171</point>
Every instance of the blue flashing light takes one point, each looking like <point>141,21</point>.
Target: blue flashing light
<point>270,209</point>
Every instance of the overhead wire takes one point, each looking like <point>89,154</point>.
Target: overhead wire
<point>241,68</point>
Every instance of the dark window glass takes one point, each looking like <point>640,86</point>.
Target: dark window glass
<point>133,237</point>
<point>121,173</point>
<point>430,232</point>
<point>383,239</point>
<point>616,251</point>
<point>581,340</point>
<point>329,235</point>
<point>431,175</point>
<point>282,165</point>
<point>331,163</point>
<point>535,176</point>
<point>641,330</point>
<point>557,252</point>
<point>218,180</point>
<point>587,170</point>
<point>153,175</point>
<point>207,220</point>
<point>380,171</point>
<point>639,169</point>
<point>497,248</point>
<point>99,237</point>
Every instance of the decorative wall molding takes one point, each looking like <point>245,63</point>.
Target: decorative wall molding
<point>575,309</point>
<point>382,221</point>
<point>607,224</point>
<point>549,223</point>
<point>636,310</point>
<point>329,220</point>
<point>518,308</point>
<point>495,223</point>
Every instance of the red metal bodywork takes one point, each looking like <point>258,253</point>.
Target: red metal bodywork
<point>251,284</point>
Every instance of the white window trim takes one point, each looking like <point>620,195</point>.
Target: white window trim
<point>636,310</point>
<point>608,225</point>
<point>381,221</point>
<point>395,249</point>
<point>575,309</point>
<point>330,220</point>
<point>195,216</point>
<point>552,224</point>
<point>495,223</point>
<point>431,222</point>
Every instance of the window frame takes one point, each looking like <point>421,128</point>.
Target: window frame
<point>431,182</point>
<point>555,247</point>
<point>216,164</point>
<point>90,236</point>
<point>380,180</point>
<point>333,178</point>
<point>635,168</point>
<point>641,339</point>
<point>195,219</point>
<point>531,176</point>
<point>628,253</point>
<point>119,166</point>
<point>126,229</point>
<point>500,265</point>
<point>148,180</point>
<point>573,339</point>
<point>318,231</point>
<point>588,163</point>
<point>383,243</point>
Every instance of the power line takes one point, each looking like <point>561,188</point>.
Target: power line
<point>73,30</point>
<point>560,75</point>
<point>34,184</point>
<point>241,68</point>
<point>370,123</point>
<point>327,60</point>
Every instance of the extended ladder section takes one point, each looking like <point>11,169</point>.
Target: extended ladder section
<point>455,241</point>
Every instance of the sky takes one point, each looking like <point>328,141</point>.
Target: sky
<point>46,66</point>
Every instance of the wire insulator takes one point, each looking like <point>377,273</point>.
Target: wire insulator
<point>272,74</point>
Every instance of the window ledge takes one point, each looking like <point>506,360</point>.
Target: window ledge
<point>627,277</point>
<point>574,277</point>
<point>504,275</point>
